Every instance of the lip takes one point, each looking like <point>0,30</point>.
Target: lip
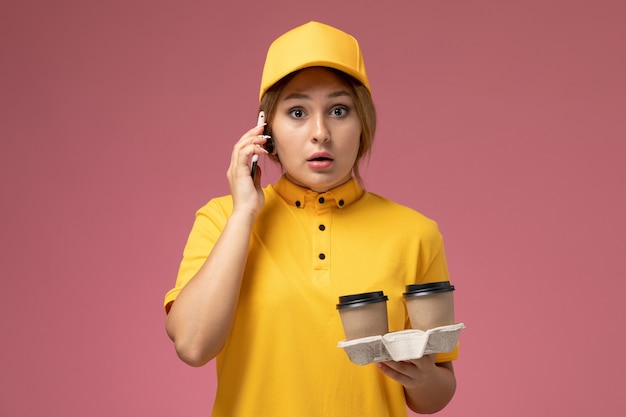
<point>314,162</point>
<point>317,155</point>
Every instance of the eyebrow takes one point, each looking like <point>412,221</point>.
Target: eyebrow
<point>340,93</point>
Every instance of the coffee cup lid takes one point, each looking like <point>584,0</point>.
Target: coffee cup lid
<point>414,290</point>
<point>357,300</point>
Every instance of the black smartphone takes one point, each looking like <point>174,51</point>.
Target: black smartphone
<point>255,162</point>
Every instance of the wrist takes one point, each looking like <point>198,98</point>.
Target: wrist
<point>243,217</point>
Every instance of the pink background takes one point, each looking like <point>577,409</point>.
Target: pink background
<point>504,121</point>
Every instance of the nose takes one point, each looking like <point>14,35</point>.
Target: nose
<point>321,132</point>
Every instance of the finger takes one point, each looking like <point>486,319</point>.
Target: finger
<point>243,149</point>
<point>424,361</point>
<point>252,137</point>
<point>261,120</point>
<point>249,144</point>
<point>399,367</point>
<point>391,369</point>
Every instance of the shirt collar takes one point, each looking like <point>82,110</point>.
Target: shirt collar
<point>342,195</point>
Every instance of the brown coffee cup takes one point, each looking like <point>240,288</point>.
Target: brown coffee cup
<point>364,314</point>
<point>430,305</point>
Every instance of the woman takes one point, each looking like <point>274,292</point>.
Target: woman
<point>263,268</point>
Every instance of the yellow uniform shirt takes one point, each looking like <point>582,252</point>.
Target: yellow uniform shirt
<point>306,250</point>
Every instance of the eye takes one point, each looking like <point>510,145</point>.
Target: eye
<point>339,111</point>
<point>296,113</point>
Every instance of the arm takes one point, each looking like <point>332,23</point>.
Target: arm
<point>200,319</point>
<point>428,386</point>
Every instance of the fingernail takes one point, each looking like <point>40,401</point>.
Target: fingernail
<point>261,120</point>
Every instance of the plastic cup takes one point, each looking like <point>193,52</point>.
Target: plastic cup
<point>430,305</point>
<point>364,314</point>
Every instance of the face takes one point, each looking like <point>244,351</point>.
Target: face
<point>316,130</point>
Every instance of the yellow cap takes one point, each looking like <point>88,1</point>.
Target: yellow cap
<point>310,45</point>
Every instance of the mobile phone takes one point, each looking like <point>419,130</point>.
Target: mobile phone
<point>255,162</point>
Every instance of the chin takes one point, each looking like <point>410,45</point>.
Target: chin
<point>318,182</point>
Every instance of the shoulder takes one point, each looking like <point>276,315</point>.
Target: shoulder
<point>218,206</point>
<point>398,214</point>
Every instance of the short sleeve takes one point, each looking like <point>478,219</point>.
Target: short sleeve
<point>208,225</point>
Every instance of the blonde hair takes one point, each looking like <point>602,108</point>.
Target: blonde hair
<point>364,106</point>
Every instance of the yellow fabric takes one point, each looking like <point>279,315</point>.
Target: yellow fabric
<point>309,45</point>
<point>281,358</point>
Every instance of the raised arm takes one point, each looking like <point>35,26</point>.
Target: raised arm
<point>200,319</point>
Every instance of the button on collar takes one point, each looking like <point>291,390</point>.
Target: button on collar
<point>341,196</point>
